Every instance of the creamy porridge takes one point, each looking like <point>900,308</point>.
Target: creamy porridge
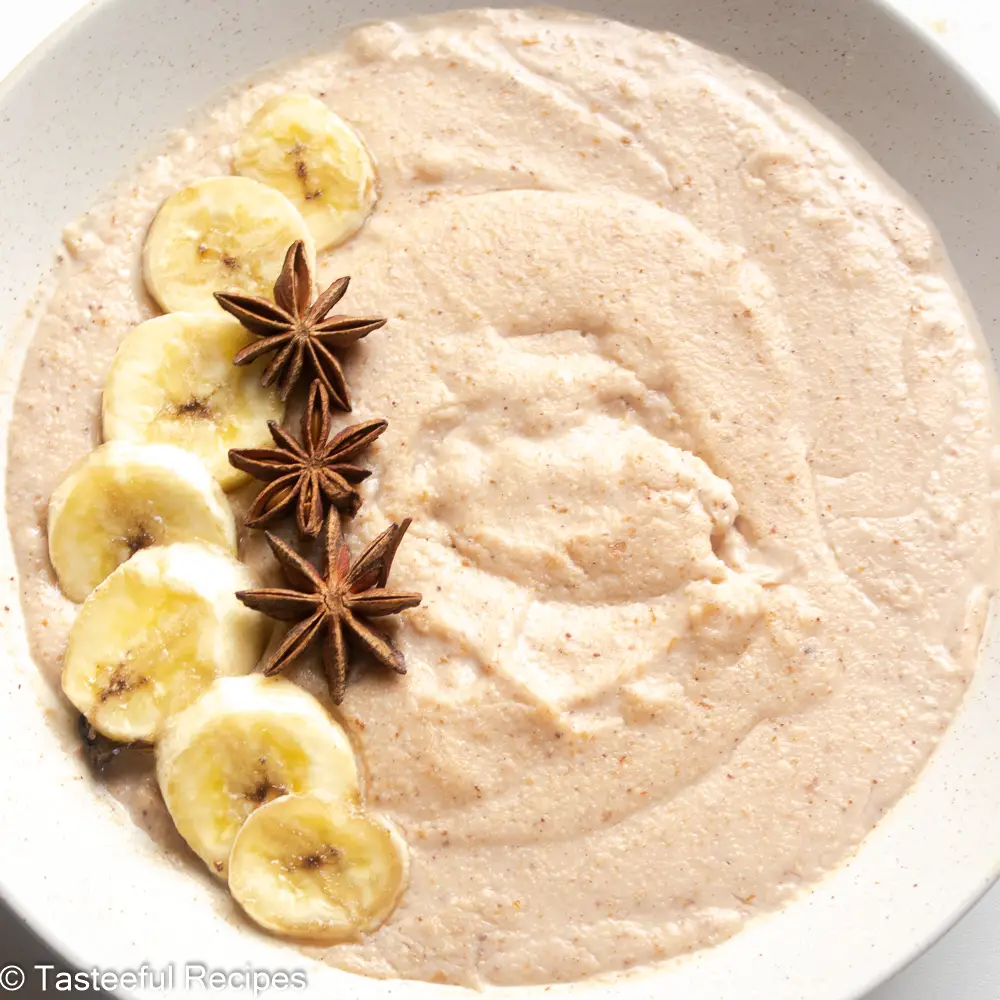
<point>698,444</point>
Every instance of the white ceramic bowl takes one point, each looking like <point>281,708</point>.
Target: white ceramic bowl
<point>72,120</point>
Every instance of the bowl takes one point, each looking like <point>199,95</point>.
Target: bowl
<point>83,108</point>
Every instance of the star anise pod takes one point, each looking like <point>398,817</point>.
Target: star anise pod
<point>336,604</point>
<point>312,473</point>
<point>297,333</point>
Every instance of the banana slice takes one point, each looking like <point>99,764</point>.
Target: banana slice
<point>173,381</point>
<point>312,867</point>
<point>223,234</point>
<point>298,145</point>
<point>125,497</point>
<point>155,634</point>
<point>247,741</point>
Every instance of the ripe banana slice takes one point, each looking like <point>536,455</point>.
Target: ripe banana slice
<point>125,497</point>
<point>298,145</point>
<point>155,634</point>
<point>223,234</point>
<point>312,867</point>
<point>173,381</point>
<point>245,742</point>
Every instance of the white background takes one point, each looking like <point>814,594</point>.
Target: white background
<point>965,964</point>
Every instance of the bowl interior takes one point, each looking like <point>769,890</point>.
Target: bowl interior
<point>69,129</point>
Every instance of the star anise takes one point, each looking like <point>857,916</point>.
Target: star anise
<point>312,473</point>
<point>297,333</point>
<point>335,604</point>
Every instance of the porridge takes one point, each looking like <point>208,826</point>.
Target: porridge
<point>697,439</point>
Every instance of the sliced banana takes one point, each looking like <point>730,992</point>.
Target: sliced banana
<point>154,635</point>
<point>246,741</point>
<point>312,867</point>
<point>298,145</point>
<point>173,381</point>
<point>223,234</point>
<point>125,497</point>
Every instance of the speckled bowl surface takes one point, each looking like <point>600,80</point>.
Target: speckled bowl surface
<point>72,120</point>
